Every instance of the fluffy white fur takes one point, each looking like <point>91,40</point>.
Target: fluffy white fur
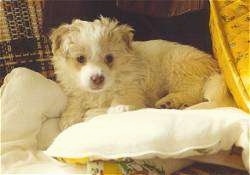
<point>155,73</point>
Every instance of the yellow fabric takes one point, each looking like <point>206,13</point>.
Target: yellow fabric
<point>110,168</point>
<point>78,161</point>
<point>229,26</point>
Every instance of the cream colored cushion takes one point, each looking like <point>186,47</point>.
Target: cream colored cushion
<point>148,133</point>
<point>29,105</point>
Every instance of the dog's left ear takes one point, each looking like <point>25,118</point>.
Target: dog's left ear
<point>127,34</point>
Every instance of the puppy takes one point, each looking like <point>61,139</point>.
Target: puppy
<point>99,66</point>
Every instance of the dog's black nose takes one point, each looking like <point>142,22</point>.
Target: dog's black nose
<point>97,79</point>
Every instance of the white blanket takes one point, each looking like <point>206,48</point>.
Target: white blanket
<point>30,106</point>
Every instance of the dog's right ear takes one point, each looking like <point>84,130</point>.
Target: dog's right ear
<point>57,35</point>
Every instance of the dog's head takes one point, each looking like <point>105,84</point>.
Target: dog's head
<point>91,52</point>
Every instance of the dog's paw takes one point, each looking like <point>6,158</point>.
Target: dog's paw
<point>66,122</point>
<point>118,109</point>
<point>171,101</point>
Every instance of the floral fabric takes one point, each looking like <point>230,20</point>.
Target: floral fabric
<point>229,26</point>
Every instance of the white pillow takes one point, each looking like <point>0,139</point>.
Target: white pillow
<point>148,133</point>
<point>29,107</point>
<point>27,100</point>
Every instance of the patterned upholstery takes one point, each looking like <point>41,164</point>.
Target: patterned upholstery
<point>21,40</point>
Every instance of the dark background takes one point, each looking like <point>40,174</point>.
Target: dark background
<point>182,21</point>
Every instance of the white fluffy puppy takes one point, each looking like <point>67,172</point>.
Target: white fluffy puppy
<point>99,66</point>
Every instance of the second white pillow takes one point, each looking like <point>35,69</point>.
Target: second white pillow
<point>152,133</point>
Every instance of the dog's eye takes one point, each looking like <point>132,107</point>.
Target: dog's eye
<point>81,59</point>
<point>109,59</point>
